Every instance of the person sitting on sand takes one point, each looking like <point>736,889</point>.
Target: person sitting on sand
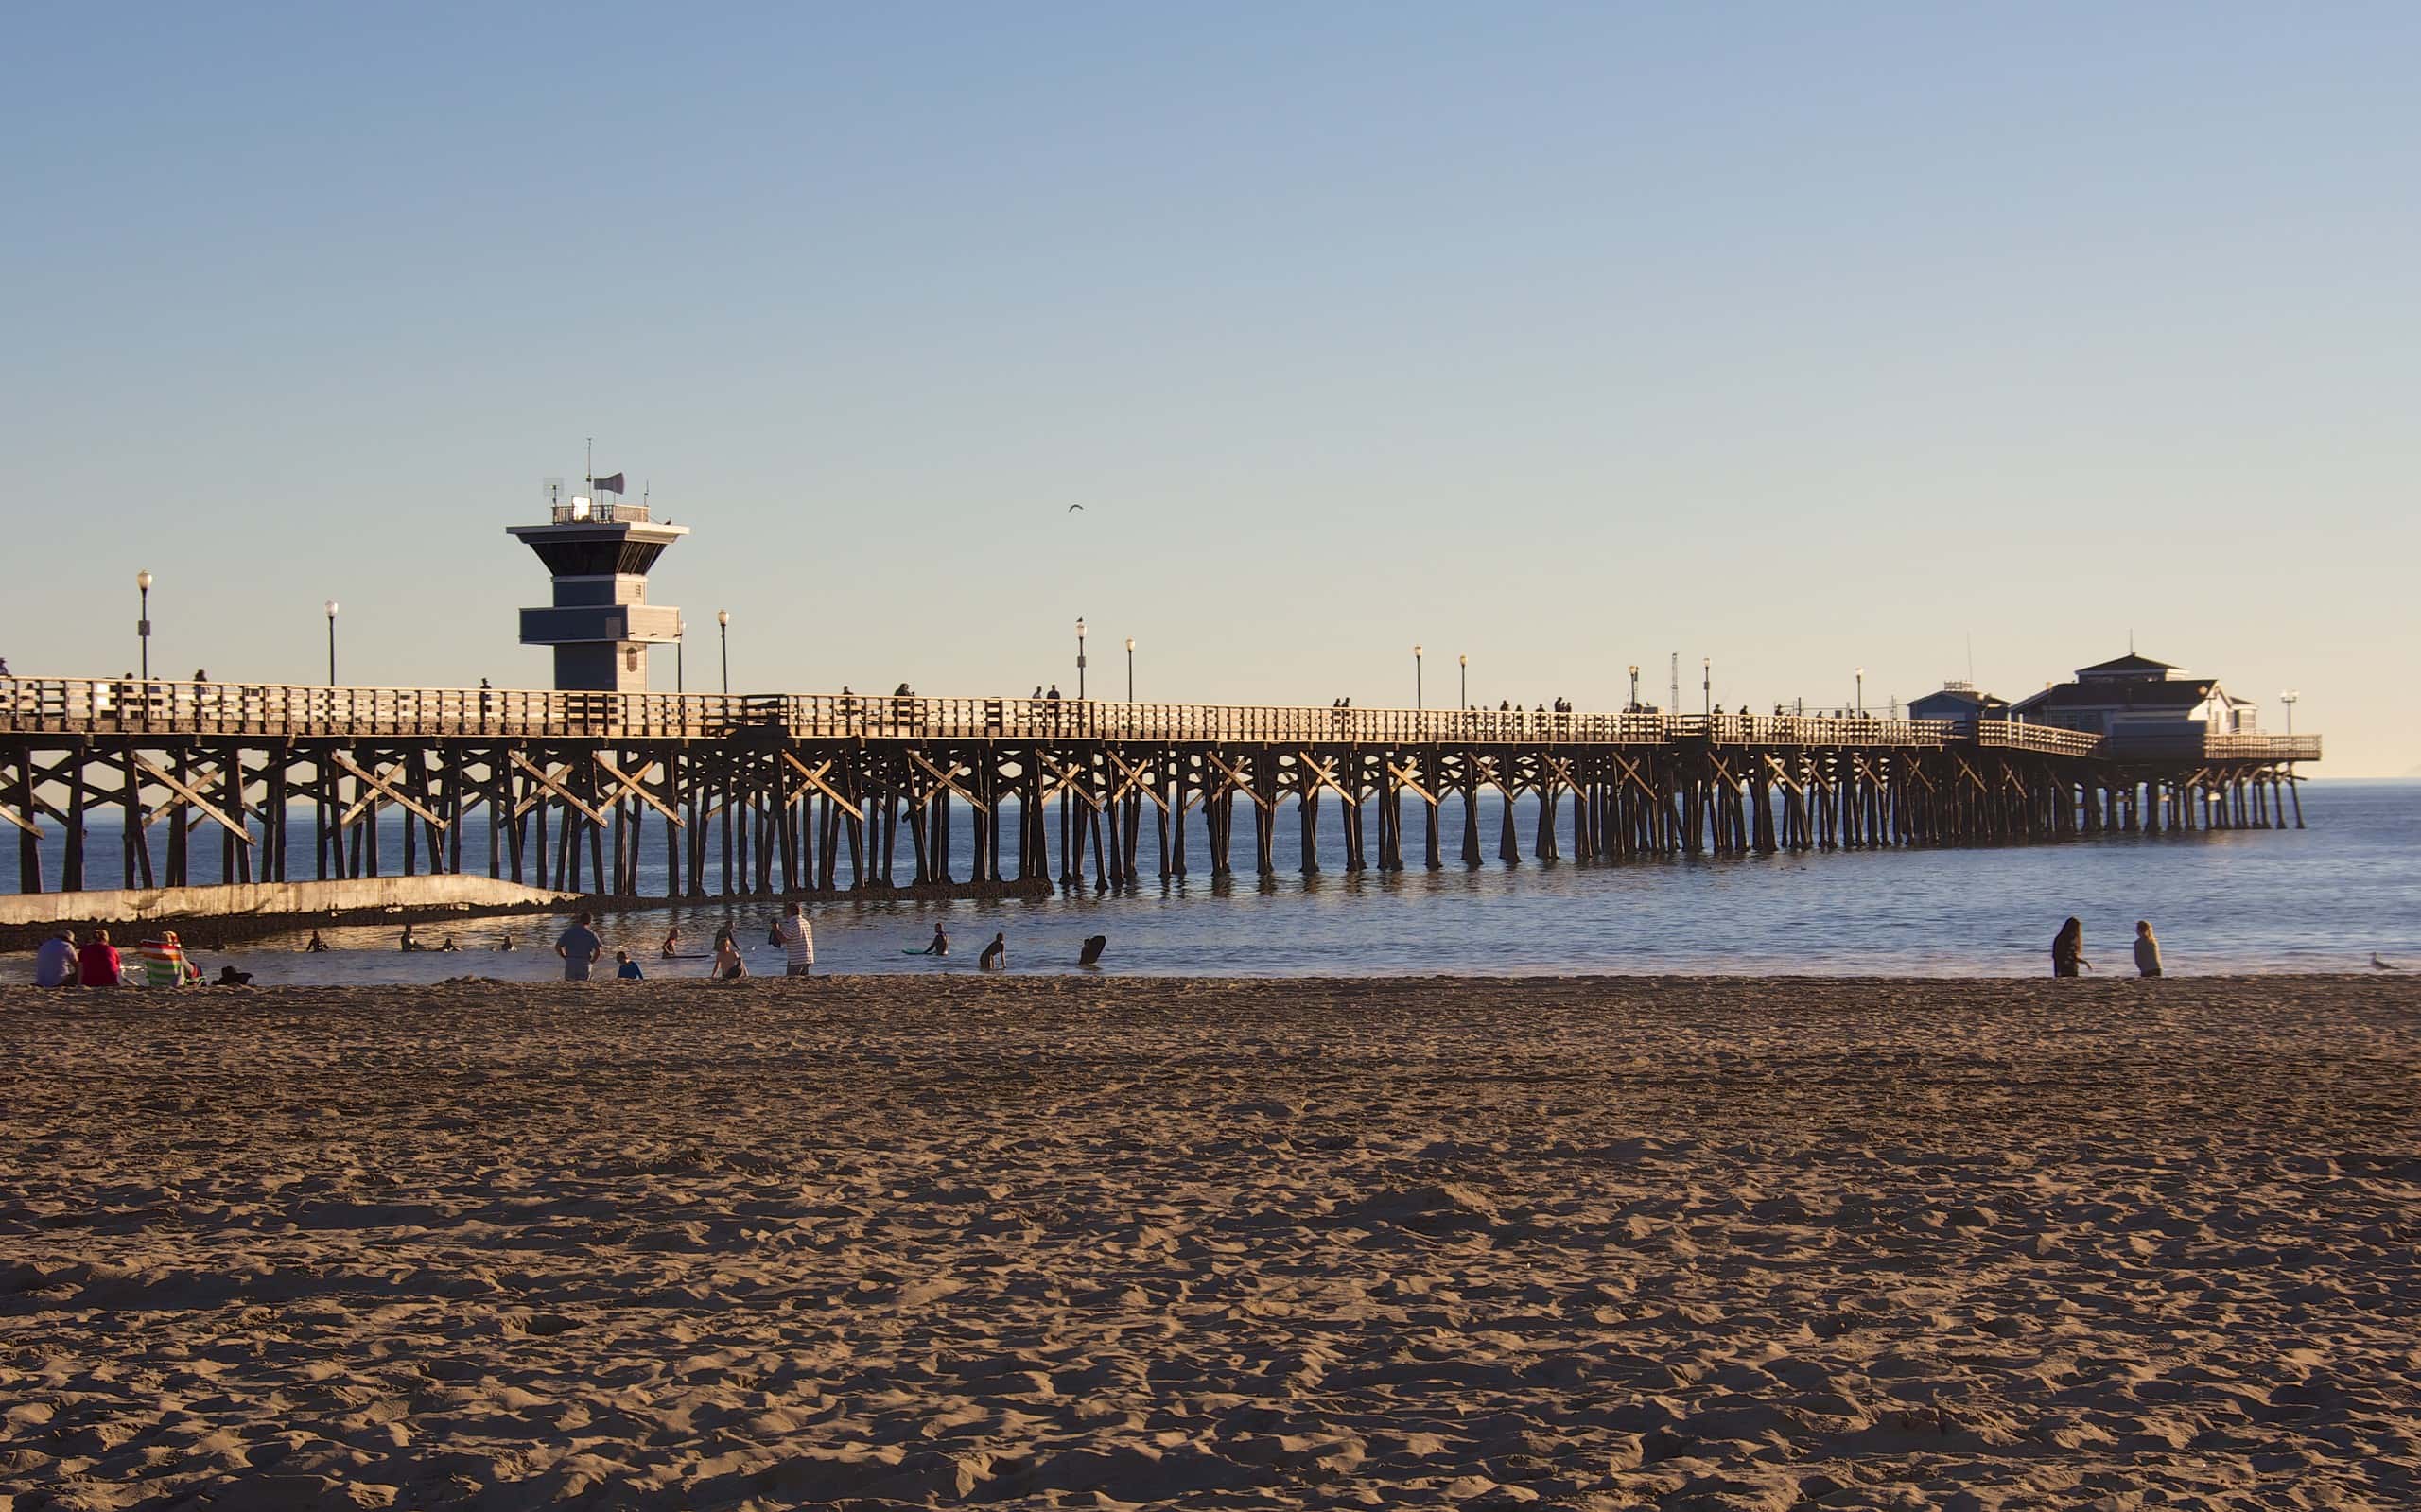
<point>2146,949</point>
<point>2068,949</point>
<point>316,946</point>
<point>97,964</point>
<point>230,977</point>
<point>996,955</point>
<point>626,970</point>
<point>55,961</point>
<point>1094,946</point>
<point>580,947</point>
<point>728,966</point>
<point>940,945</point>
<point>164,963</point>
<point>671,950</point>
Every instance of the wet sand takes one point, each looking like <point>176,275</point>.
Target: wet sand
<point>1726,1243</point>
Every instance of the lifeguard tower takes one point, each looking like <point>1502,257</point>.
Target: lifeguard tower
<point>600,623</point>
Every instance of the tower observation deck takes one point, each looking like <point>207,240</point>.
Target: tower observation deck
<point>600,624</point>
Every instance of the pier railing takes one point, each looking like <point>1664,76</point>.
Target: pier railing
<point>134,706</point>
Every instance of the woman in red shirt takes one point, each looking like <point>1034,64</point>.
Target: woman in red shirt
<point>97,964</point>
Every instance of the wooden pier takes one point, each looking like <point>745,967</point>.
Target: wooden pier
<point>791,793</point>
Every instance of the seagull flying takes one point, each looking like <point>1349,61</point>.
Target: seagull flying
<point>1075,509</point>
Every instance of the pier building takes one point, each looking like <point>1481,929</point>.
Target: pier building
<point>599,623</point>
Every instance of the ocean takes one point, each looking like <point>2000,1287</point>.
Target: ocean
<point>2324,898</point>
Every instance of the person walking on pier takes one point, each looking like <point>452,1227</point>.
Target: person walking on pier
<point>798,942</point>
<point>581,949</point>
<point>2068,950</point>
<point>2146,949</point>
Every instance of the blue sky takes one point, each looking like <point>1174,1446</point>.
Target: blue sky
<point>1566,336</point>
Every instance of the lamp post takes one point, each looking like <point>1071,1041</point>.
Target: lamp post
<point>1862,692</point>
<point>332,643</point>
<point>1080,658</point>
<point>1416,677</point>
<point>1130,668</point>
<point>1706,684</point>
<point>1464,693</point>
<point>2289,697</point>
<point>680,660</point>
<point>1634,688</point>
<point>143,620</point>
<point>722,624</point>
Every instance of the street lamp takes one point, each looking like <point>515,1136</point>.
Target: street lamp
<point>1130,668</point>
<point>1634,688</point>
<point>1080,658</point>
<point>1416,677</point>
<point>722,623</point>
<point>2289,697</point>
<point>1862,692</point>
<point>680,658</point>
<point>332,643</point>
<point>1706,684</point>
<point>143,621</point>
<point>1465,661</point>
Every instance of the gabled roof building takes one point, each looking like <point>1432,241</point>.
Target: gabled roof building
<point>2132,699</point>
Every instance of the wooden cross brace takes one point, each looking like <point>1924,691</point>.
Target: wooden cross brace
<point>629,783</point>
<point>1404,776</point>
<point>945,779</point>
<point>1066,777</point>
<point>816,779</point>
<point>547,780</point>
<point>1326,775</point>
<point>1239,780</point>
<point>151,769</point>
<point>1136,776</point>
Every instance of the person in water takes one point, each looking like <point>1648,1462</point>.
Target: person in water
<point>940,944</point>
<point>726,932</point>
<point>505,943</point>
<point>408,943</point>
<point>728,966</point>
<point>626,970</point>
<point>996,955</point>
<point>317,945</point>
<point>447,944</point>
<point>2146,949</point>
<point>671,944</point>
<point>1094,946</point>
<point>2068,950</point>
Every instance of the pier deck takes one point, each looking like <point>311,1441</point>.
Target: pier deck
<point>768,795</point>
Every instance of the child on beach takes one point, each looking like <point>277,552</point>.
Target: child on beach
<point>728,966</point>
<point>2146,949</point>
<point>626,970</point>
<point>2068,949</point>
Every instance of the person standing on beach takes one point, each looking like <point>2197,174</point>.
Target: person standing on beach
<point>54,963</point>
<point>2068,949</point>
<point>96,964</point>
<point>2146,949</point>
<point>580,947</point>
<point>798,942</point>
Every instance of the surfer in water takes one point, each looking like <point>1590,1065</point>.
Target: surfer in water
<point>671,950</point>
<point>940,945</point>
<point>996,955</point>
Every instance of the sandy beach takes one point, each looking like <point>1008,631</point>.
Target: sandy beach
<point>1726,1243</point>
